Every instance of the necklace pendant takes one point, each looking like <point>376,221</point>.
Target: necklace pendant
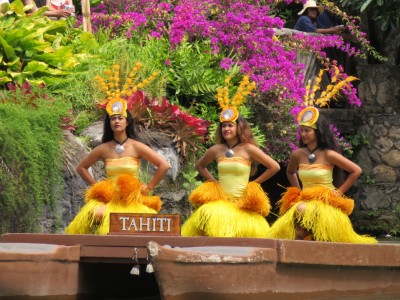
<point>312,158</point>
<point>229,153</point>
<point>119,149</point>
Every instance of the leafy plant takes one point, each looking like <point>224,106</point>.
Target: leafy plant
<point>190,174</point>
<point>395,231</point>
<point>30,157</point>
<point>32,47</point>
<point>83,91</point>
<point>359,139</point>
<point>385,12</point>
<point>186,130</point>
<point>351,143</point>
<point>194,74</point>
<point>368,179</point>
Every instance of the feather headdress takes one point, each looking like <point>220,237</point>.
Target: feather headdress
<point>117,94</point>
<point>309,115</point>
<point>229,105</point>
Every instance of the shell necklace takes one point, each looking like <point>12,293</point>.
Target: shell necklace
<point>229,152</point>
<point>311,157</point>
<point>119,148</point>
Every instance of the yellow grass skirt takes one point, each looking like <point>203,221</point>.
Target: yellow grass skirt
<point>326,222</point>
<point>120,196</point>
<point>219,216</point>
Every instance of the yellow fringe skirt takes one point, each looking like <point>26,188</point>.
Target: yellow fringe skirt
<point>219,216</point>
<point>224,219</point>
<point>120,196</point>
<point>326,222</point>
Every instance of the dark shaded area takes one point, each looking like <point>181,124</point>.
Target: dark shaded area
<point>114,281</point>
<point>274,187</point>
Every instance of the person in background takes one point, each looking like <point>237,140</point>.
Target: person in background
<point>328,20</point>
<point>319,210</point>
<point>231,206</point>
<point>53,14</point>
<point>56,5</point>
<point>308,20</point>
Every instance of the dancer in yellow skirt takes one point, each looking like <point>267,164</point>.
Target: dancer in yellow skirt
<point>318,211</point>
<point>231,206</point>
<point>121,191</point>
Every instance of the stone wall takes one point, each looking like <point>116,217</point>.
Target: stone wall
<point>377,194</point>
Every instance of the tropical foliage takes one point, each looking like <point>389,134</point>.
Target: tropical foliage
<point>385,12</point>
<point>36,49</point>
<point>30,156</point>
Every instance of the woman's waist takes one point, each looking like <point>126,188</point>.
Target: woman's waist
<point>310,185</point>
<point>233,187</point>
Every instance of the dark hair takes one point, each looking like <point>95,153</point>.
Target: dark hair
<point>326,139</point>
<point>245,136</point>
<point>108,134</point>
<point>305,13</point>
<point>243,131</point>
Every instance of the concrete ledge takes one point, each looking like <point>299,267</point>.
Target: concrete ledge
<point>38,269</point>
<point>338,254</point>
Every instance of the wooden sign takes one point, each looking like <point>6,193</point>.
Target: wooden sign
<point>149,224</point>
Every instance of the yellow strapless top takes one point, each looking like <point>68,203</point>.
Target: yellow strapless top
<point>233,175</point>
<point>316,174</point>
<point>123,165</point>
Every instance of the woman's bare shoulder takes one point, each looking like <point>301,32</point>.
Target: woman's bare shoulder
<point>299,152</point>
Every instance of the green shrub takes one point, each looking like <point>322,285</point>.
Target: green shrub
<point>30,159</point>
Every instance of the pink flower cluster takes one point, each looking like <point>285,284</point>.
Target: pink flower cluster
<point>240,27</point>
<point>243,28</point>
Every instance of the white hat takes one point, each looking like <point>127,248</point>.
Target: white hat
<point>309,4</point>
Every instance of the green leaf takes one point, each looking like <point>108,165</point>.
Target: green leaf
<point>14,35</point>
<point>14,75</point>
<point>4,77</point>
<point>35,66</point>
<point>48,81</point>
<point>88,40</point>
<point>365,5</point>
<point>59,57</point>
<point>6,21</point>
<point>18,7</point>
<point>14,64</point>
<point>95,2</point>
<point>10,54</point>
<point>385,24</point>
<point>38,32</point>
<point>28,53</point>
<point>34,44</point>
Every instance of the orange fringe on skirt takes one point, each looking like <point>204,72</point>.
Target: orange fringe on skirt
<point>222,216</point>
<point>122,195</point>
<point>325,215</point>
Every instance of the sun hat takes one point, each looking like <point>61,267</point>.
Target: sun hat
<point>310,4</point>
